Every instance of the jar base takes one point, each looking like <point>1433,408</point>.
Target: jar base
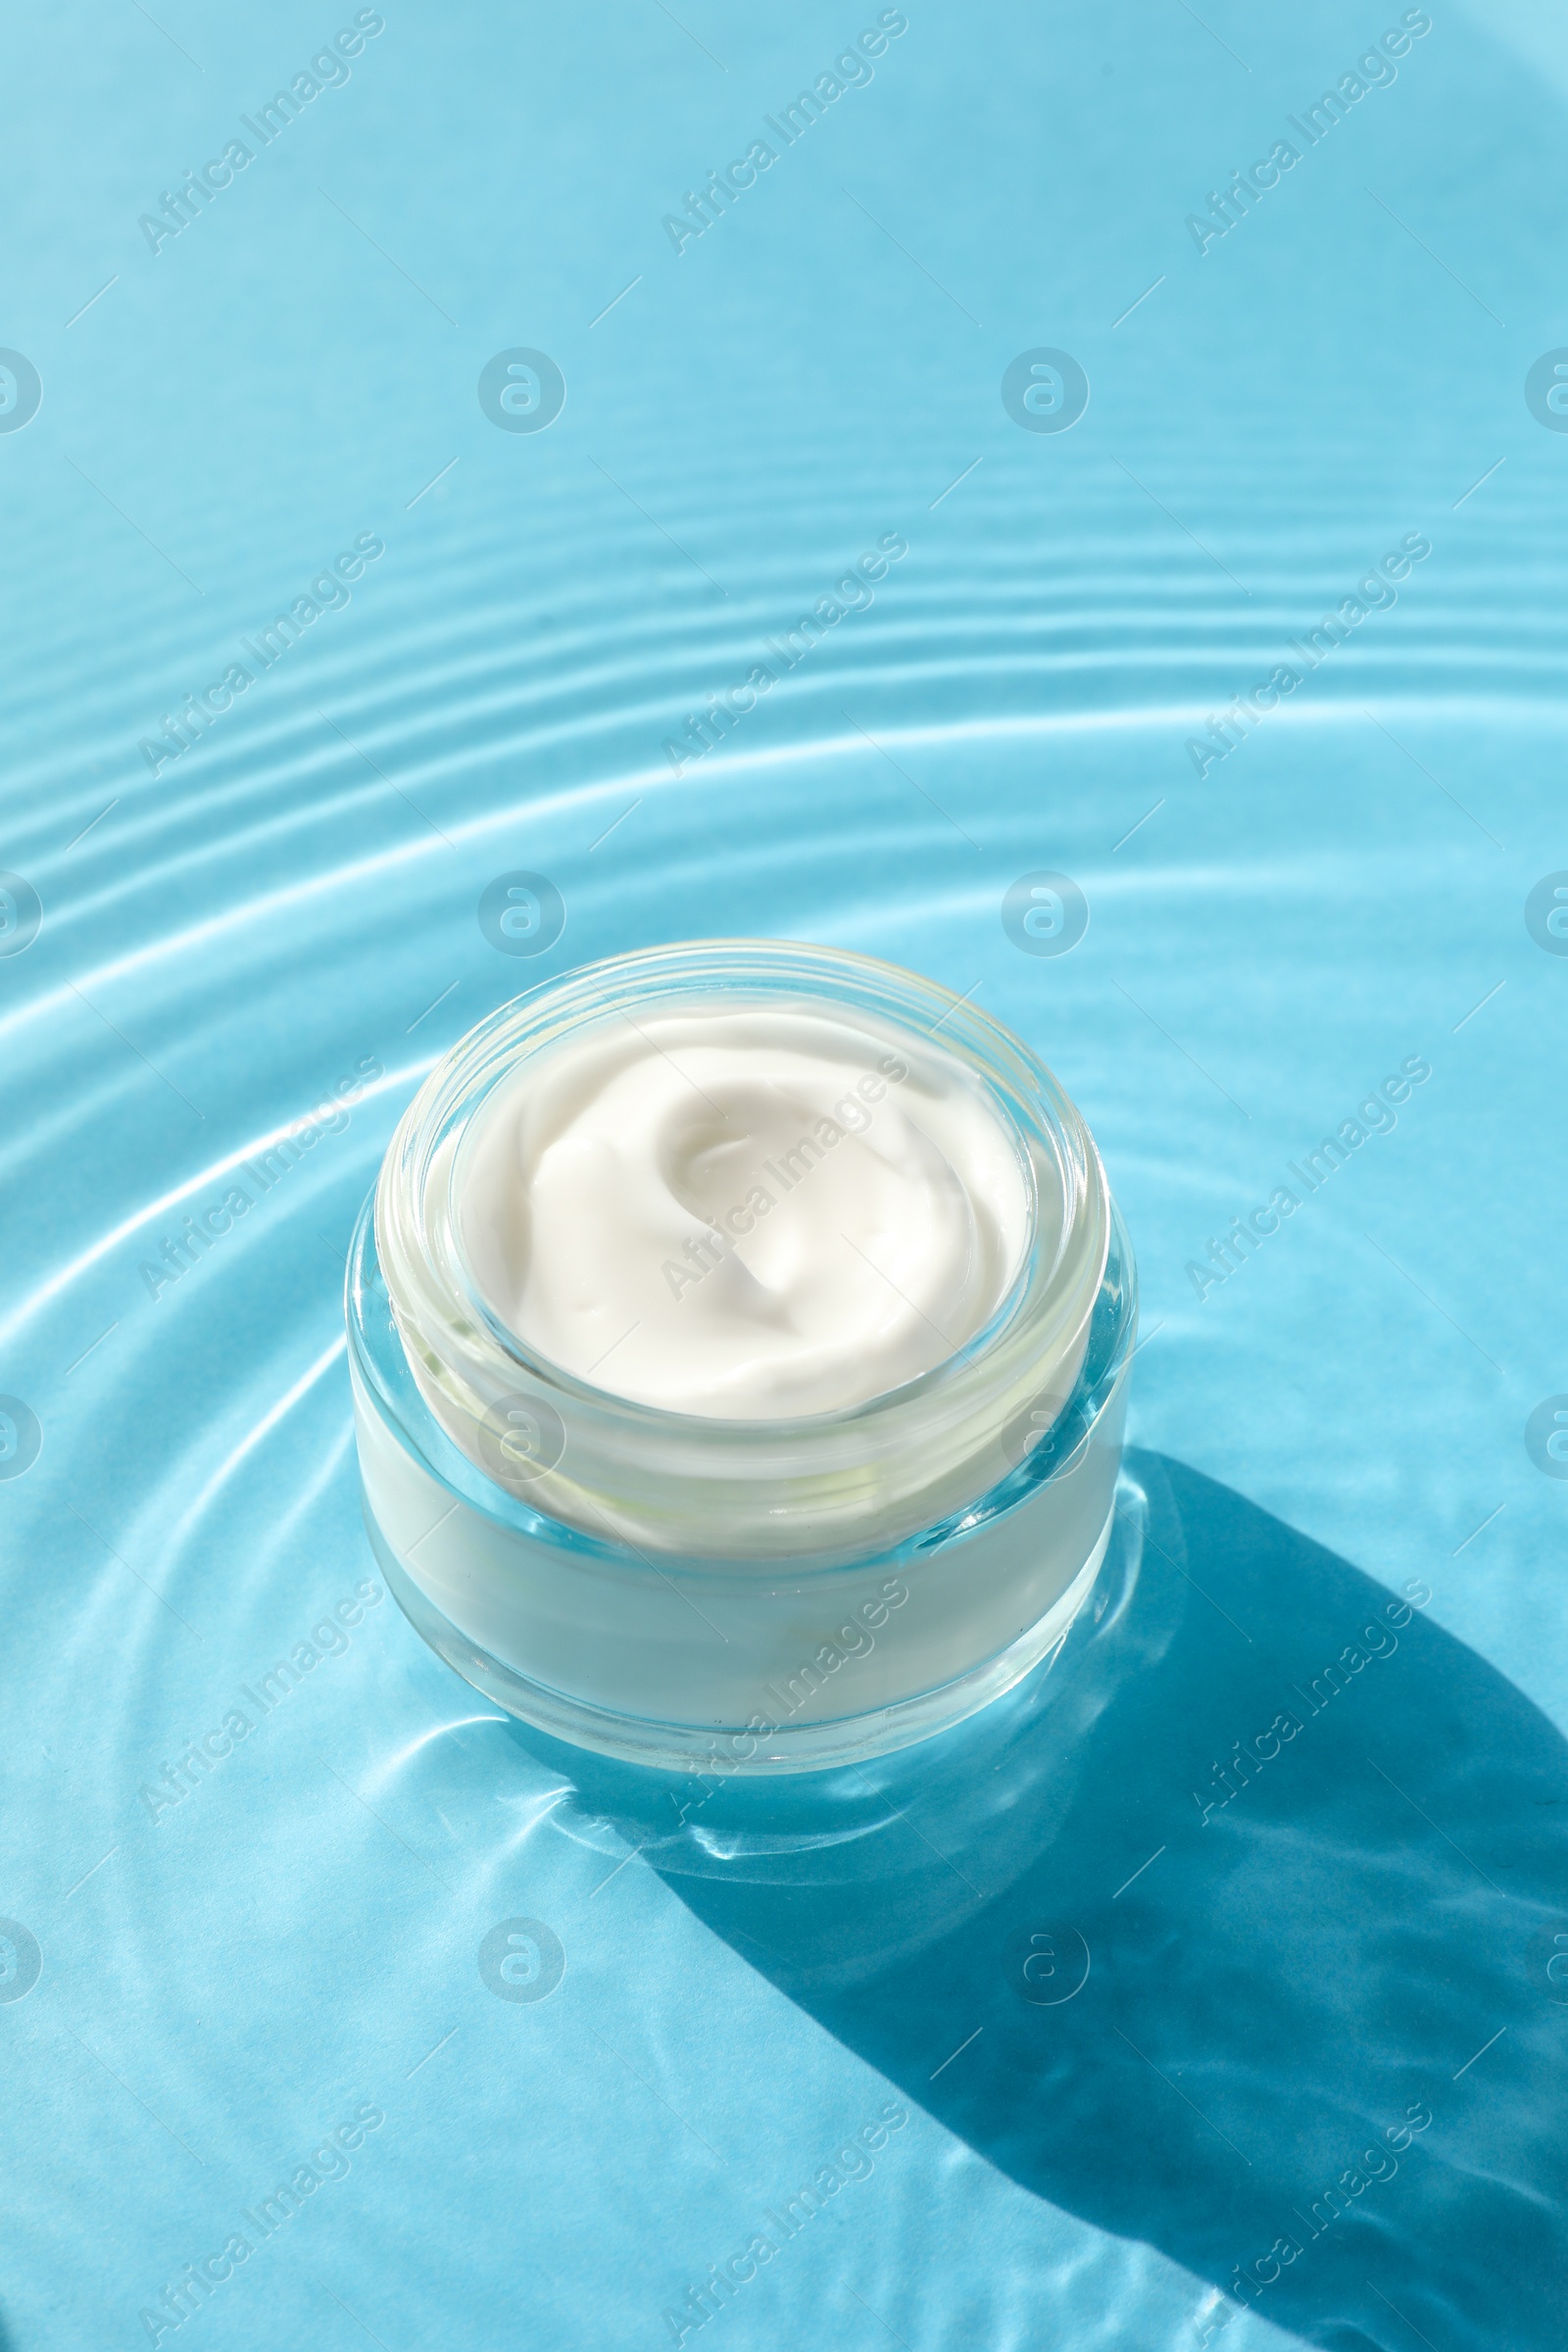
<point>816,1746</point>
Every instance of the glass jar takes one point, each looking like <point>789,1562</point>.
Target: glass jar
<point>740,1595</point>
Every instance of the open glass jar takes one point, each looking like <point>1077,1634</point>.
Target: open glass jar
<point>730,1595</point>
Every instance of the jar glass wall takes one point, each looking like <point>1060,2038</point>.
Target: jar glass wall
<point>732,1594</point>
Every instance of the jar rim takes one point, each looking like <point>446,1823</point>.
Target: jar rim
<point>691,1483</point>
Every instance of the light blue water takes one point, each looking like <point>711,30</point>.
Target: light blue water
<point>194,1994</point>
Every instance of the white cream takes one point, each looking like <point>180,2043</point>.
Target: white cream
<point>743,1213</point>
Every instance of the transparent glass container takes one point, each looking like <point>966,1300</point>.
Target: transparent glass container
<point>741,1596</point>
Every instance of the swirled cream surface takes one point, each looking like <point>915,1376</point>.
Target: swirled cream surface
<point>745,1213</point>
